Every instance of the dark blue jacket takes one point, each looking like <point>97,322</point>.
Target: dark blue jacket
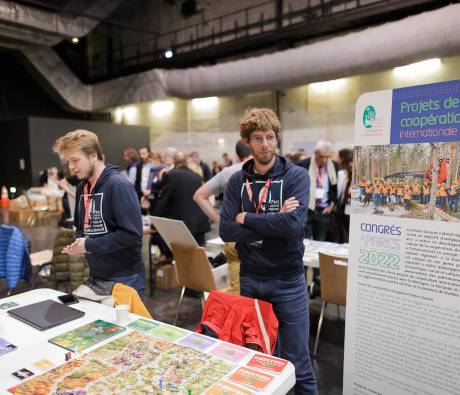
<point>269,244</point>
<point>114,235</point>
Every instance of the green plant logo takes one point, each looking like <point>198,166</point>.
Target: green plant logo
<point>369,116</point>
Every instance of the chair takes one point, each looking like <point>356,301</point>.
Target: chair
<point>124,294</point>
<point>193,271</point>
<point>333,271</point>
<point>36,213</point>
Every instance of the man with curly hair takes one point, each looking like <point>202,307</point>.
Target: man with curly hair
<point>264,212</point>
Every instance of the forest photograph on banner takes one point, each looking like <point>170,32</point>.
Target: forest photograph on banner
<point>408,180</point>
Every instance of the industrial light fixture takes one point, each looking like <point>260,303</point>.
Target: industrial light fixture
<point>118,115</point>
<point>162,108</point>
<point>75,40</point>
<point>169,54</point>
<point>130,113</point>
<point>419,69</point>
<point>205,103</point>
<point>328,86</point>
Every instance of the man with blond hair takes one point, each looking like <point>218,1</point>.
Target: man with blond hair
<point>264,212</point>
<point>107,213</point>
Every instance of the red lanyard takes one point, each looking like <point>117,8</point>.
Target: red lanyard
<point>263,195</point>
<point>319,177</point>
<point>87,200</point>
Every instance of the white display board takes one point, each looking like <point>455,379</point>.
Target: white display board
<point>403,299</point>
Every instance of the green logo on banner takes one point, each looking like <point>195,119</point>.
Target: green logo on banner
<point>369,116</point>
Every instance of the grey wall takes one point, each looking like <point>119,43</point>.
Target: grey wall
<point>14,146</point>
<point>43,132</point>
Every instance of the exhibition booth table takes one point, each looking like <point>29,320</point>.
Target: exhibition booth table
<point>312,248</point>
<point>98,354</point>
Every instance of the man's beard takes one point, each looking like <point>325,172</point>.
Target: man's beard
<point>89,175</point>
<point>264,161</point>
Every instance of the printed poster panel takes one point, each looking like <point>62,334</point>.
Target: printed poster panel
<point>403,298</point>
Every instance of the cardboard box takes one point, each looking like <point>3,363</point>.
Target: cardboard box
<point>166,276</point>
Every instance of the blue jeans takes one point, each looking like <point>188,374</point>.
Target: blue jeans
<point>290,304</point>
<point>136,281</point>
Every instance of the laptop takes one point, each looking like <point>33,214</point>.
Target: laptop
<point>174,231</point>
<point>45,315</point>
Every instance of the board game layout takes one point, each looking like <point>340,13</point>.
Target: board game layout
<point>87,335</point>
<point>136,363</point>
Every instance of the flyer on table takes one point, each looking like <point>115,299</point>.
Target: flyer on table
<point>403,298</point>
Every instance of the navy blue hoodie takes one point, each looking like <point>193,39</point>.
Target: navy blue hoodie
<point>114,235</point>
<point>269,244</point>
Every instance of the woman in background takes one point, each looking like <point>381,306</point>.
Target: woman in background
<point>344,185</point>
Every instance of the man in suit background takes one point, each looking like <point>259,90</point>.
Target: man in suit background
<point>176,199</point>
<point>323,198</point>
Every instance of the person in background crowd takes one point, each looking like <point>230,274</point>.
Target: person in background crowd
<point>322,199</point>
<point>43,178</point>
<point>107,213</point>
<point>269,237</point>
<point>415,191</point>
<point>204,167</point>
<point>143,169</point>
<point>344,185</point>
<point>454,193</point>
<point>131,157</point>
<point>442,193</point>
<point>296,159</point>
<point>407,196</point>
<point>367,194</point>
<point>68,184</point>
<point>301,154</point>
<point>227,160</point>
<point>176,199</point>
<point>400,193</point>
<point>216,186</point>
<point>168,165</point>
<point>323,190</point>
<point>168,161</point>
<point>393,192</point>
<point>53,179</point>
<point>153,183</point>
<point>376,192</point>
<point>362,188</point>
<point>216,168</point>
<point>194,166</point>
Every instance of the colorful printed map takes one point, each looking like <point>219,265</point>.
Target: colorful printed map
<point>87,335</point>
<point>136,363</point>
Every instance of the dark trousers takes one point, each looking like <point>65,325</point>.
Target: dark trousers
<point>317,224</point>
<point>343,227</point>
<point>199,237</point>
<point>316,228</point>
<point>136,281</point>
<point>290,304</point>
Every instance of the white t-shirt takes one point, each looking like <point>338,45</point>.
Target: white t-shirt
<point>218,183</point>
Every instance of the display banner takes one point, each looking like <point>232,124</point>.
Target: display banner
<point>403,291</point>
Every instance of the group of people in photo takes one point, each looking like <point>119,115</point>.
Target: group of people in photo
<point>383,192</point>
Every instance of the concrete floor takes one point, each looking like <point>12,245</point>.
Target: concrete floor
<point>162,305</point>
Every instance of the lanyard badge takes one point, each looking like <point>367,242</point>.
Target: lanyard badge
<point>87,197</point>
<point>262,196</point>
